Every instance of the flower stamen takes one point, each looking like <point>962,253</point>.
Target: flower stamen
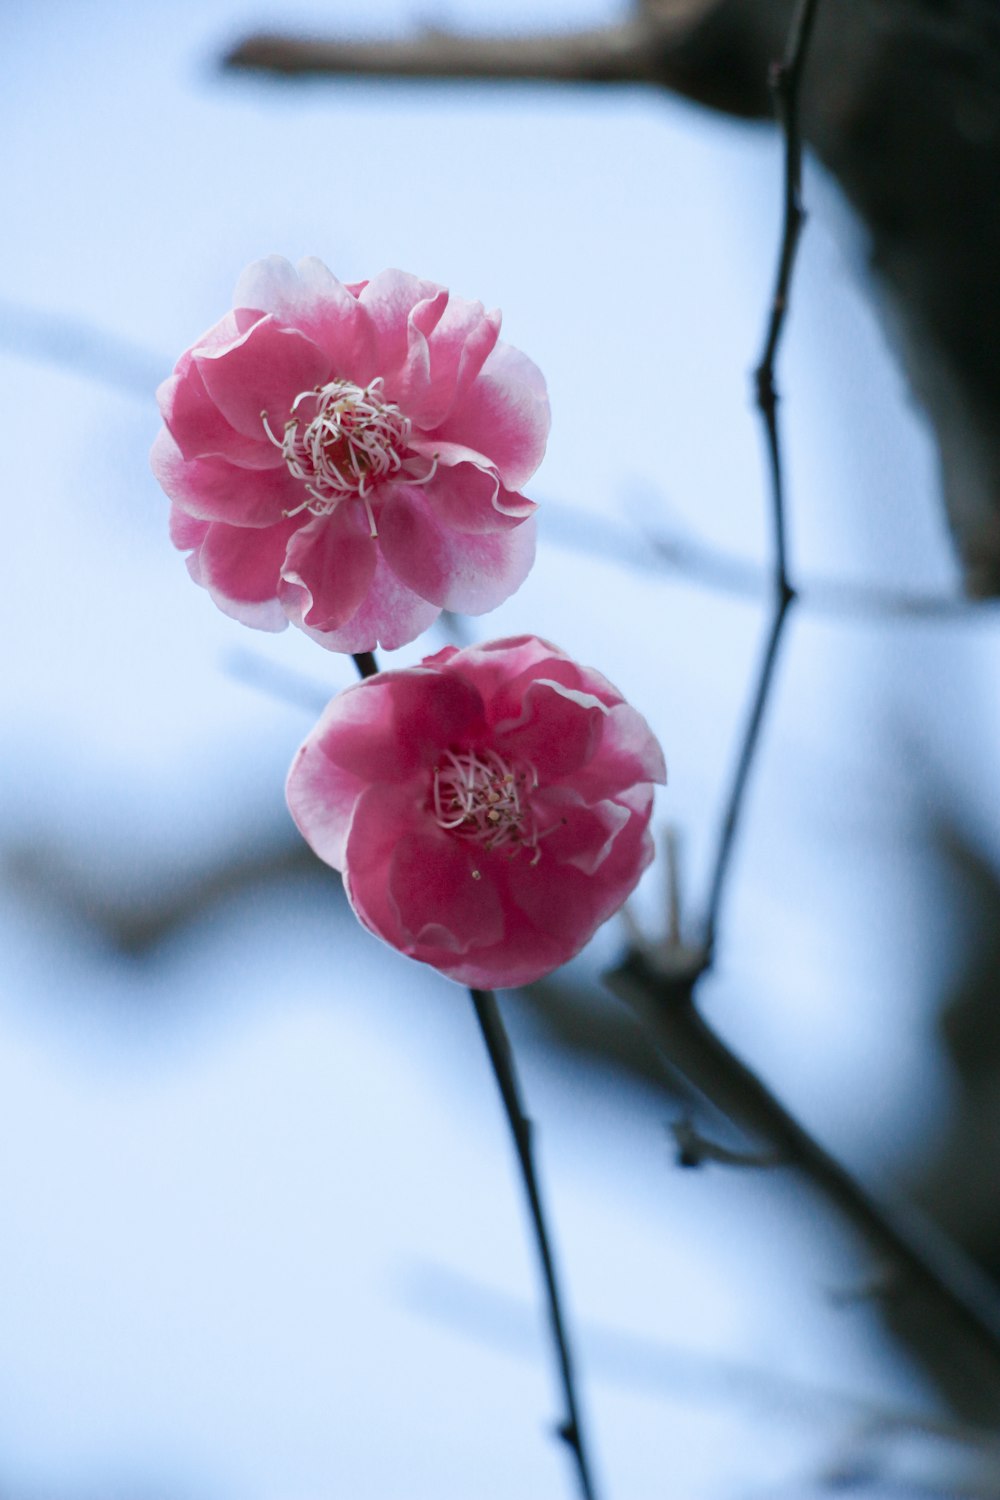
<point>478,795</point>
<point>341,440</point>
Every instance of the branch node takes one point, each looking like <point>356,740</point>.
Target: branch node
<point>695,1149</point>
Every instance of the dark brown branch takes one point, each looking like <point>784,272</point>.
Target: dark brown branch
<point>785,81</point>
<point>929,1266</point>
<point>502,1061</point>
<point>744,764</point>
<point>606,55</point>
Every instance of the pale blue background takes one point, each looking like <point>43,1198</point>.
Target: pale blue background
<point>261,1233</point>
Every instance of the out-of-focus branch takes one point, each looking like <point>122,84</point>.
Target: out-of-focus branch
<point>950,1286</point>
<point>614,54</point>
<point>903,108</point>
<point>489,1317</point>
<point>927,1265</point>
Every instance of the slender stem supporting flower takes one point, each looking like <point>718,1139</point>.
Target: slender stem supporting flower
<point>502,1061</point>
<point>785,80</point>
<point>366,664</point>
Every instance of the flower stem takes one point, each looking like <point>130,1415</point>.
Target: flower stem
<point>366,664</point>
<point>502,1061</point>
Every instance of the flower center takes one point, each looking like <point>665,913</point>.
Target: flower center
<point>341,440</point>
<point>479,796</point>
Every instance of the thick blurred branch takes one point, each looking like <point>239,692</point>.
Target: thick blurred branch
<point>947,1284</point>
<point>616,54</point>
<point>902,106</point>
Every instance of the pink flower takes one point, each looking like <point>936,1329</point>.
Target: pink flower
<point>350,457</point>
<point>489,809</point>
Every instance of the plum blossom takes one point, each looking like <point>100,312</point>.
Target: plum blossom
<point>350,457</point>
<point>489,808</point>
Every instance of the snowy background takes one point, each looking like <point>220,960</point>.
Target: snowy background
<point>262,1236</point>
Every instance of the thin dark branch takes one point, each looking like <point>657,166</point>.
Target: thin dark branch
<point>502,1062</point>
<point>785,80</point>
<point>929,1264</point>
<point>922,1261</point>
<point>744,764</point>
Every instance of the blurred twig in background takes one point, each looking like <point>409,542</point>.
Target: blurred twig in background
<point>903,108</point>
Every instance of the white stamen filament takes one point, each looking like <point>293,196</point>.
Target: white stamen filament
<point>352,442</point>
<point>477,794</point>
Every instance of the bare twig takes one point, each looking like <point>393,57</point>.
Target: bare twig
<point>785,80</point>
<point>930,1265</point>
<point>501,1058</point>
<point>502,1062</point>
<point>694,1149</point>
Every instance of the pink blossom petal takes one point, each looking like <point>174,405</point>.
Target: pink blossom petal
<point>328,568</point>
<point>575,834</point>
<point>389,616</point>
<point>465,492</point>
<point>628,754</point>
<point>321,798</point>
<point>386,858</point>
<point>441,894</point>
<point>310,298</point>
<point>507,965</point>
<point>410,385</point>
<point>503,669</point>
<point>569,904</point>
<point>186,531</point>
<point>213,490</point>
<point>504,415</point>
<point>449,339</point>
<point>556,732</point>
<point>388,299</point>
<point>239,568</point>
<point>263,371</point>
<point>201,431</point>
<point>469,572</point>
<point>391,727</point>
<point>243,565</point>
